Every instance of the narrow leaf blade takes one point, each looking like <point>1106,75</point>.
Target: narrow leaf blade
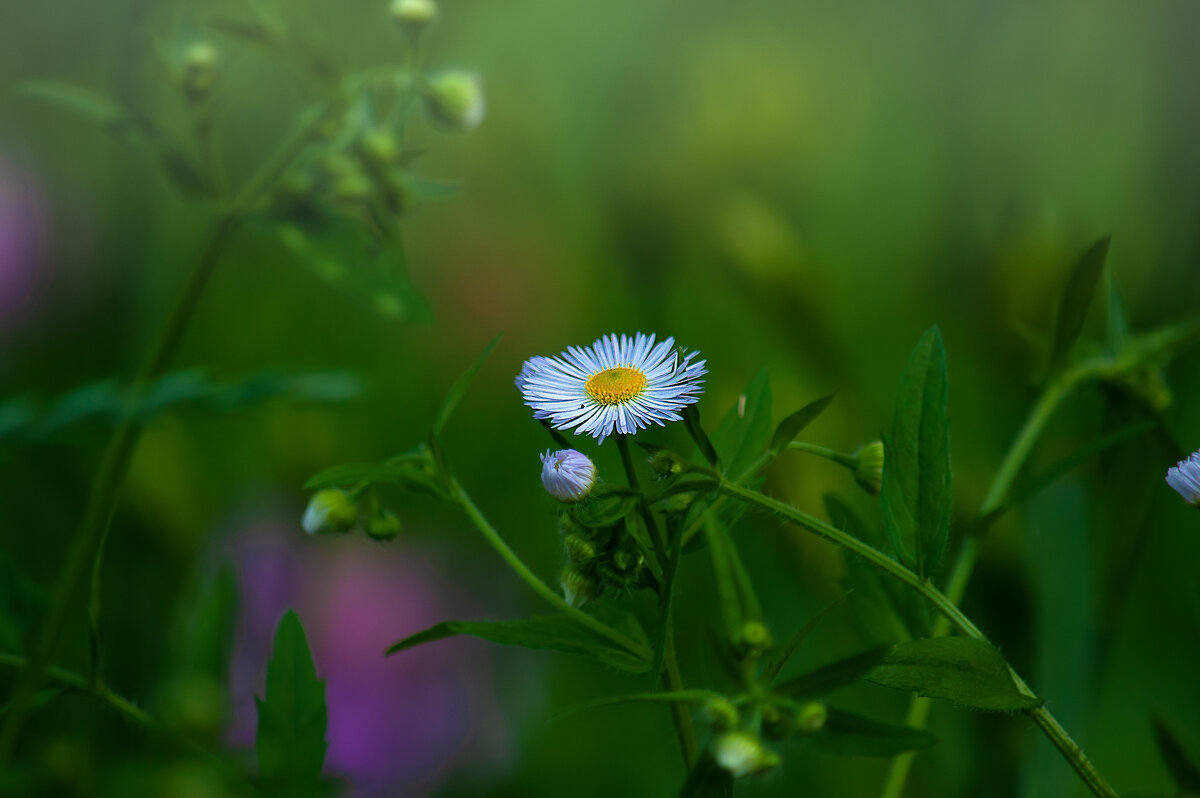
<point>557,633</point>
<point>833,676</point>
<point>1183,769</point>
<point>1077,296</point>
<point>916,494</point>
<point>460,387</point>
<point>794,424</point>
<point>743,433</point>
<point>848,733</point>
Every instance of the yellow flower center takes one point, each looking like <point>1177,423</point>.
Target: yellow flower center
<point>616,385</point>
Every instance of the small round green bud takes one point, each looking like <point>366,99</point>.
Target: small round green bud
<point>579,549</point>
<point>811,717</point>
<point>384,526</point>
<point>869,471</point>
<point>413,15</point>
<point>378,148</point>
<point>720,713</point>
<point>578,588</point>
<point>742,754</point>
<point>666,463</point>
<point>199,74</point>
<point>328,511</point>
<point>753,638</point>
<point>455,99</point>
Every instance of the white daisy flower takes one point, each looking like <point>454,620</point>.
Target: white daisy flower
<point>1185,479</point>
<point>568,475</point>
<point>619,384</point>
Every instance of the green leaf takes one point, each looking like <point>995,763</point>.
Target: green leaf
<point>778,659</point>
<point>81,102</point>
<point>794,424</point>
<point>916,494</point>
<point>413,474</point>
<point>691,419</point>
<point>1118,324</point>
<point>847,733</point>
<point>969,672</point>
<point>742,435</point>
<point>675,697</point>
<point>1185,774</point>
<point>833,676</point>
<point>202,634</point>
<point>1077,296</point>
<point>460,386</point>
<point>557,632</point>
<point>738,602</point>
<point>345,254</point>
<point>291,719</point>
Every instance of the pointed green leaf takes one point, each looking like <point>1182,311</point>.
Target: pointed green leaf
<point>969,672</point>
<point>674,697</point>
<point>77,100</point>
<point>742,435</point>
<point>833,676</point>
<point>290,742</point>
<point>691,419</point>
<point>460,387</point>
<point>1077,296</point>
<point>557,632</point>
<point>780,658</point>
<point>847,733</point>
<point>1185,774</point>
<point>736,593</point>
<point>1118,324</point>
<point>794,424</point>
<point>916,473</point>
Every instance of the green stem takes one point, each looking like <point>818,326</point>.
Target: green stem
<point>968,555</point>
<point>846,460</point>
<point>664,654</point>
<point>120,704</point>
<point>531,579</point>
<point>949,610</point>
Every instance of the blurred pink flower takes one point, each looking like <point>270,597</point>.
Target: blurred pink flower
<point>397,725</point>
<point>22,241</point>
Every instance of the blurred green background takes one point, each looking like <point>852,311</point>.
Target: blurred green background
<point>800,187</point>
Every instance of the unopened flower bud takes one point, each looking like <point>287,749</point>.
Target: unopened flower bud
<point>666,463</point>
<point>579,549</point>
<point>328,511</point>
<point>869,471</point>
<point>776,722</point>
<point>413,15</point>
<point>742,754</point>
<point>1184,477</point>
<point>568,475</point>
<point>720,713</point>
<point>199,74</point>
<point>455,98</point>
<point>753,638</point>
<point>384,526</point>
<point>578,588</point>
<point>378,148</point>
<point>811,717</point>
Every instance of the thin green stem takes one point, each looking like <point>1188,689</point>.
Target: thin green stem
<point>120,704</point>
<point>949,610</point>
<point>664,654</point>
<point>849,461</point>
<point>530,578</point>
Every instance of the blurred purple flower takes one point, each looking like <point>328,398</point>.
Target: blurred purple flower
<point>397,725</point>
<point>22,241</point>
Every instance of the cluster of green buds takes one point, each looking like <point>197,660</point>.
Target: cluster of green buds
<point>359,161</point>
<point>599,558</point>
<point>334,511</point>
<point>737,745</point>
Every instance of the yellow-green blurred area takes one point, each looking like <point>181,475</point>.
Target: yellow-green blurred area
<point>797,187</point>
